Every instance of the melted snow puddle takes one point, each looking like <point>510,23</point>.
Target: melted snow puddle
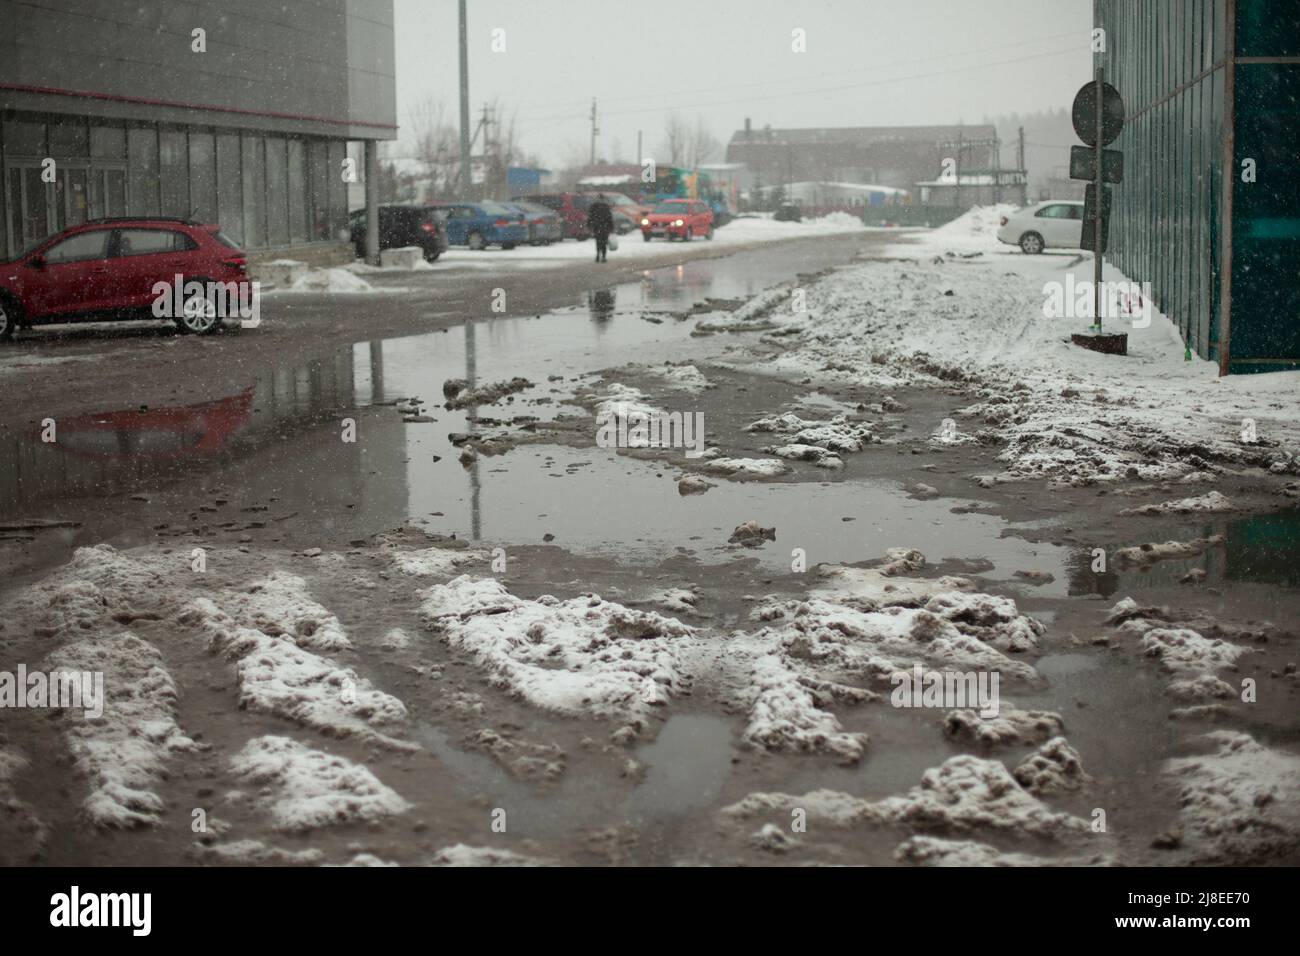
<point>685,766</point>
<point>1259,549</point>
<point>598,502</point>
<point>1107,685</point>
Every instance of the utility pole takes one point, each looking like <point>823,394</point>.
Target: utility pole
<point>639,158</point>
<point>594,131</point>
<point>464,105</point>
<point>1020,165</point>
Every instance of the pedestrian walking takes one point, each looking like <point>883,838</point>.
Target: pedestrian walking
<point>600,223</point>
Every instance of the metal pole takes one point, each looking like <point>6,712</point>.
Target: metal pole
<point>1226,196</point>
<point>593,131</point>
<point>1097,212</point>
<point>464,104</point>
<point>372,202</point>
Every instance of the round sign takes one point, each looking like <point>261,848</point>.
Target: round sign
<point>1084,113</point>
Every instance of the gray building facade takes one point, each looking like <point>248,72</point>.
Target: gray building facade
<point>235,112</point>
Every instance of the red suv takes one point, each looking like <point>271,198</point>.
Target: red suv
<point>678,219</point>
<point>572,208</point>
<point>113,267</point>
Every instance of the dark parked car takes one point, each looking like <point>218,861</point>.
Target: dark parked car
<point>572,208</point>
<point>788,212</point>
<point>544,225</point>
<point>109,268</point>
<point>401,226</point>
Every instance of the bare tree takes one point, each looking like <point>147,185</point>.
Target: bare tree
<point>676,139</point>
<point>436,142</point>
<point>704,146</point>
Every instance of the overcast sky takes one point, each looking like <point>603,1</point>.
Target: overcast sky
<point>868,63</point>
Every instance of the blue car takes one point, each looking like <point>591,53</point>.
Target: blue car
<point>481,224</point>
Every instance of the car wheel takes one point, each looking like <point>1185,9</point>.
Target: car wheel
<point>1031,243</point>
<point>431,255</point>
<point>10,317</point>
<point>475,241</point>
<point>690,234</point>
<point>508,245</point>
<point>709,234</point>
<point>645,236</point>
<point>200,315</point>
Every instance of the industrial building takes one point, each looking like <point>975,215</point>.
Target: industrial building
<point>1209,210</point>
<point>236,112</point>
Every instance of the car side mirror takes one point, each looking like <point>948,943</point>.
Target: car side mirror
<point>37,262</point>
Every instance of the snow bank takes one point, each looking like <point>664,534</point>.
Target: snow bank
<point>746,467</point>
<point>1055,410</point>
<point>436,562</point>
<point>1240,804</point>
<point>124,752</point>
<point>963,794</point>
<point>331,280</point>
<point>462,855</point>
<point>304,788</point>
<point>278,677</point>
<point>934,851</point>
<point>583,656</point>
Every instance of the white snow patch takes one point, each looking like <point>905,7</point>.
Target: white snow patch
<point>123,753</point>
<point>583,656</point>
<point>305,788</point>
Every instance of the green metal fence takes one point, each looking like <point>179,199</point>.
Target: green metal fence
<point>1208,84</point>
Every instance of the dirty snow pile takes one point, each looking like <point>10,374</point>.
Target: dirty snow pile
<point>964,794</point>
<point>975,320</point>
<point>1179,641</point>
<point>305,788</point>
<point>1239,802</point>
<point>867,625</point>
<point>821,442</point>
<point>87,612</point>
<point>582,656</point>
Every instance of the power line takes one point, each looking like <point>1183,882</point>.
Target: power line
<point>561,117</point>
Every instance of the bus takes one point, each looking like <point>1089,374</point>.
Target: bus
<point>675,182</point>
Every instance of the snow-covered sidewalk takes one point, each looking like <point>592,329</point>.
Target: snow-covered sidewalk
<point>954,307</point>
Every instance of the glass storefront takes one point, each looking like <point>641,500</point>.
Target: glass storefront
<point>263,190</point>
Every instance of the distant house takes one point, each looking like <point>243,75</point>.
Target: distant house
<point>894,156</point>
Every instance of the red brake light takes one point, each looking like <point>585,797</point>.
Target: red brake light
<point>502,222</point>
<point>428,227</point>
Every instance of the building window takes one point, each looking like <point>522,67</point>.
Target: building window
<point>338,189</point>
<point>230,187</point>
<point>297,192</point>
<point>318,187</point>
<point>69,138</point>
<point>108,142</point>
<point>277,187</point>
<point>22,138</point>
<point>174,173</point>
<point>142,172</point>
<point>254,168</point>
<point>203,177</point>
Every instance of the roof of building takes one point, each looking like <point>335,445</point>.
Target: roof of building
<point>860,135</point>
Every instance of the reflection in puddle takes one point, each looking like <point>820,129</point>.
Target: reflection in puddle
<point>1257,549</point>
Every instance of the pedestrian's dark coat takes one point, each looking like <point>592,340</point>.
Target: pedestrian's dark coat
<point>600,218</point>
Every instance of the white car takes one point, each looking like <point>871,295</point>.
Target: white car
<point>1053,224</point>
